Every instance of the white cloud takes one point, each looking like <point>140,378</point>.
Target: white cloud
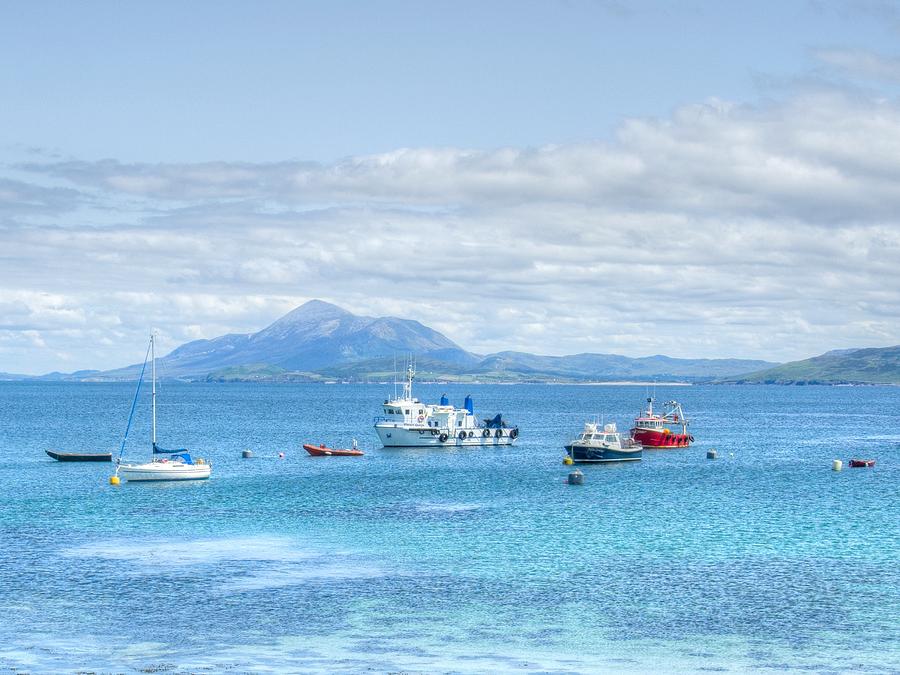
<point>725,230</point>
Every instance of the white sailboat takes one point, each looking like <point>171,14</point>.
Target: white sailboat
<point>177,464</point>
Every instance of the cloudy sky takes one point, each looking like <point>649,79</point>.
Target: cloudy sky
<point>687,178</point>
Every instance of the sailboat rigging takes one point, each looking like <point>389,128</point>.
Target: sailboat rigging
<point>177,464</point>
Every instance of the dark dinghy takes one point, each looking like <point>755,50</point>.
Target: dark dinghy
<point>80,456</point>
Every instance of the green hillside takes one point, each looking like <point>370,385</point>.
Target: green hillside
<point>845,366</point>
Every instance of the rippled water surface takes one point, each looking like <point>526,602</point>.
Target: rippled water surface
<point>451,560</point>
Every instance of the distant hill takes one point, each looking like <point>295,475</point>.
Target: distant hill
<point>13,377</point>
<point>841,366</point>
<point>612,366</point>
<point>320,341</point>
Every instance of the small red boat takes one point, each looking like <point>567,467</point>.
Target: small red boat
<point>324,451</point>
<point>860,463</point>
<point>652,429</point>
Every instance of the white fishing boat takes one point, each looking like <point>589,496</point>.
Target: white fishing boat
<point>409,423</point>
<point>176,464</point>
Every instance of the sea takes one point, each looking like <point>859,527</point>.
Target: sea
<point>450,560</point>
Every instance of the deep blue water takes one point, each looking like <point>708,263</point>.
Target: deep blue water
<point>451,560</point>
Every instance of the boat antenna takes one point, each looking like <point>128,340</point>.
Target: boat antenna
<point>410,374</point>
<point>137,392</point>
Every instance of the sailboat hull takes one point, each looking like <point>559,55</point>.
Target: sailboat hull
<point>164,471</point>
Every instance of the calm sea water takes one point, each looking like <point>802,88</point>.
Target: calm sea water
<point>458,560</point>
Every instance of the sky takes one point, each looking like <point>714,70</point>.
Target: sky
<point>696,179</point>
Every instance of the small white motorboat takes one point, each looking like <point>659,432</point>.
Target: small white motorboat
<point>606,445</point>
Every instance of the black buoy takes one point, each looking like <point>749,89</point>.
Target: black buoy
<point>576,477</point>
<point>247,454</point>
<point>711,454</point>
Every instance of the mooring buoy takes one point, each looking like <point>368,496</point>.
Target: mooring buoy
<point>576,477</point>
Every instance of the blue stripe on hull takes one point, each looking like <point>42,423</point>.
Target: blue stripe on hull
<point>587,454</point>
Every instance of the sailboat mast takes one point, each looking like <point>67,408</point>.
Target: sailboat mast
<point>153,375</point>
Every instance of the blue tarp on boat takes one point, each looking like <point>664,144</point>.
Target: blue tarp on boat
<point>180,452</point>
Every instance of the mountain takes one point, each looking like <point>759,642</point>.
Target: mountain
<point>320,341</point>
<point>55,376</point>
<point>880,365</point>
<point>314,336</point>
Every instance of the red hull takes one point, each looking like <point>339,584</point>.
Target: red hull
<point>323,451</point>
<point>655,439</point>
<point>860,463</point>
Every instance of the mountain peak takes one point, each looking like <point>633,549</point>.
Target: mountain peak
<point>318,309</point>
<point>312,312</point>
<point>313,318</point>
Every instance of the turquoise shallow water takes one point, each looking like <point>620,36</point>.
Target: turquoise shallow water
<point>460,561</point>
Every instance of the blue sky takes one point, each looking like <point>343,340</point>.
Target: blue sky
<point>268,81</point>
<point>695,179</point>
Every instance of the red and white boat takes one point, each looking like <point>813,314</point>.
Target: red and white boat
<point>655,430</point>
<point>324,451</point>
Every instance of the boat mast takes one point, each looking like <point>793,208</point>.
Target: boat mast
<point>153,390</point>
<point>410,374</point>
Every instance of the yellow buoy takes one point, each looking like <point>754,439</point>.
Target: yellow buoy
<point>113,480</point>
<point>567,460</point>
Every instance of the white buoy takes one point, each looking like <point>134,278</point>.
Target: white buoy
<point>837,465</point>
